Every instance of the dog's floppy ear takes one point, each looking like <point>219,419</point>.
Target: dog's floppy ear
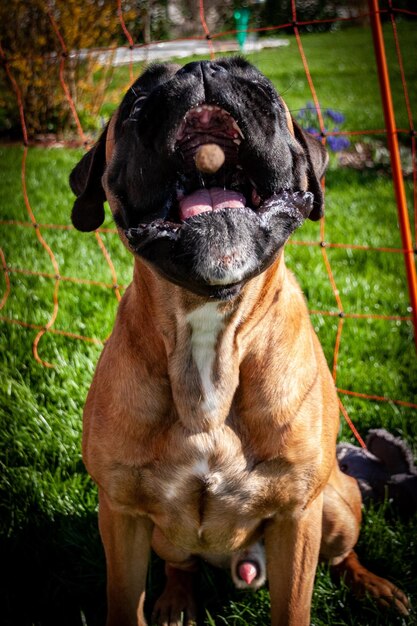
<point>85,181</point>
<point>317,160</point>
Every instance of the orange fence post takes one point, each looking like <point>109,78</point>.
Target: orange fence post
<point>397,175</point>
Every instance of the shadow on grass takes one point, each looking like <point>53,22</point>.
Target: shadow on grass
<point>54,573</point>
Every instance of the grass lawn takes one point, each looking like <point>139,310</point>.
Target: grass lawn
<point>51,554</point>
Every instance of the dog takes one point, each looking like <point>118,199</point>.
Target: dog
<point>210,426</point>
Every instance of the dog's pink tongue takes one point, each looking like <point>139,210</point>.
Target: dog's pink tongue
<point>247,572</point>
<point>213,199</point>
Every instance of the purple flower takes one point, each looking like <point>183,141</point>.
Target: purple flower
<point>337,144</point>
<point>309,121</point>
<point>312,130</point>
<point>335,116</point>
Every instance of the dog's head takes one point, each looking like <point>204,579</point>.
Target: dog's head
<point>208,232</point>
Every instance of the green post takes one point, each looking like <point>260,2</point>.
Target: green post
<point>242,20</point>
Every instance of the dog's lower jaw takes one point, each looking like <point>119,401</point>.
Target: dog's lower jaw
<point>227,274</point>
<point>215,252</point>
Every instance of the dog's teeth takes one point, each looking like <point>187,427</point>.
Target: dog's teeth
<point>236,127</point>
<point>256,198</point>
<point>237,141</point>
<point>198,109</point>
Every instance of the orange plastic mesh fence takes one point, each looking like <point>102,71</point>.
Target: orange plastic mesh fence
<point>211,37</point>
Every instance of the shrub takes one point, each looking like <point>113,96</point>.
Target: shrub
<point>33,52</point>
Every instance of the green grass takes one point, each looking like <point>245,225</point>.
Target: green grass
<point>51,554</point>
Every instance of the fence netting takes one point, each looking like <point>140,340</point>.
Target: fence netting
<point>106,238</point>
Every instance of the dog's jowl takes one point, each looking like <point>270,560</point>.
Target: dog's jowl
<point>210,426</point>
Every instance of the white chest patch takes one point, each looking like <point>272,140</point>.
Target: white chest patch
<point>206,323</point>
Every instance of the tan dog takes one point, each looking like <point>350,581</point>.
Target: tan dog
<point>210,426</point>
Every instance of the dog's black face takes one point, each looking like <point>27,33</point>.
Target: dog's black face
<point>210,232</point>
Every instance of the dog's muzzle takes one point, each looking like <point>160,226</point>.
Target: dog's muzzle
<point>226,246</point>
<point>218,232</point>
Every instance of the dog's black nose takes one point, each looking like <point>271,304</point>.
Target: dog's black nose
<point>208,74</point>
<point>206,68</point>
<point>210,68</point>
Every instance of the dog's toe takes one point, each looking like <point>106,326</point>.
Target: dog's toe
<point>172,618</point>
<point>387,594</point>
<point>383,591</point>
<point>170,615</point>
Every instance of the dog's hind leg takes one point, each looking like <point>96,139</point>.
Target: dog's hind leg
<point>176,606</point>
<point>341,524</point>
<point>127,542</point>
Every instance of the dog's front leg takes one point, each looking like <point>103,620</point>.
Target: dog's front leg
<point>127,540</point>
<point>292,549</point>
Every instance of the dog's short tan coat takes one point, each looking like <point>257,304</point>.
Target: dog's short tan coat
<point>208,426</point>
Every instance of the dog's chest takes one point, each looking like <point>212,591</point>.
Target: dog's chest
<point>208,492</point>
<point>207,325</point>
<point>204,367</point>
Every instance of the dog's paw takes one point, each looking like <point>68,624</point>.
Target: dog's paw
<point>365,583</point>
<point>174,611</point>
<point>386,594</point>
<point>176,606</point>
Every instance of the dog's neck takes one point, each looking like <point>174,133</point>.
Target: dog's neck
<point>204,342</point>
